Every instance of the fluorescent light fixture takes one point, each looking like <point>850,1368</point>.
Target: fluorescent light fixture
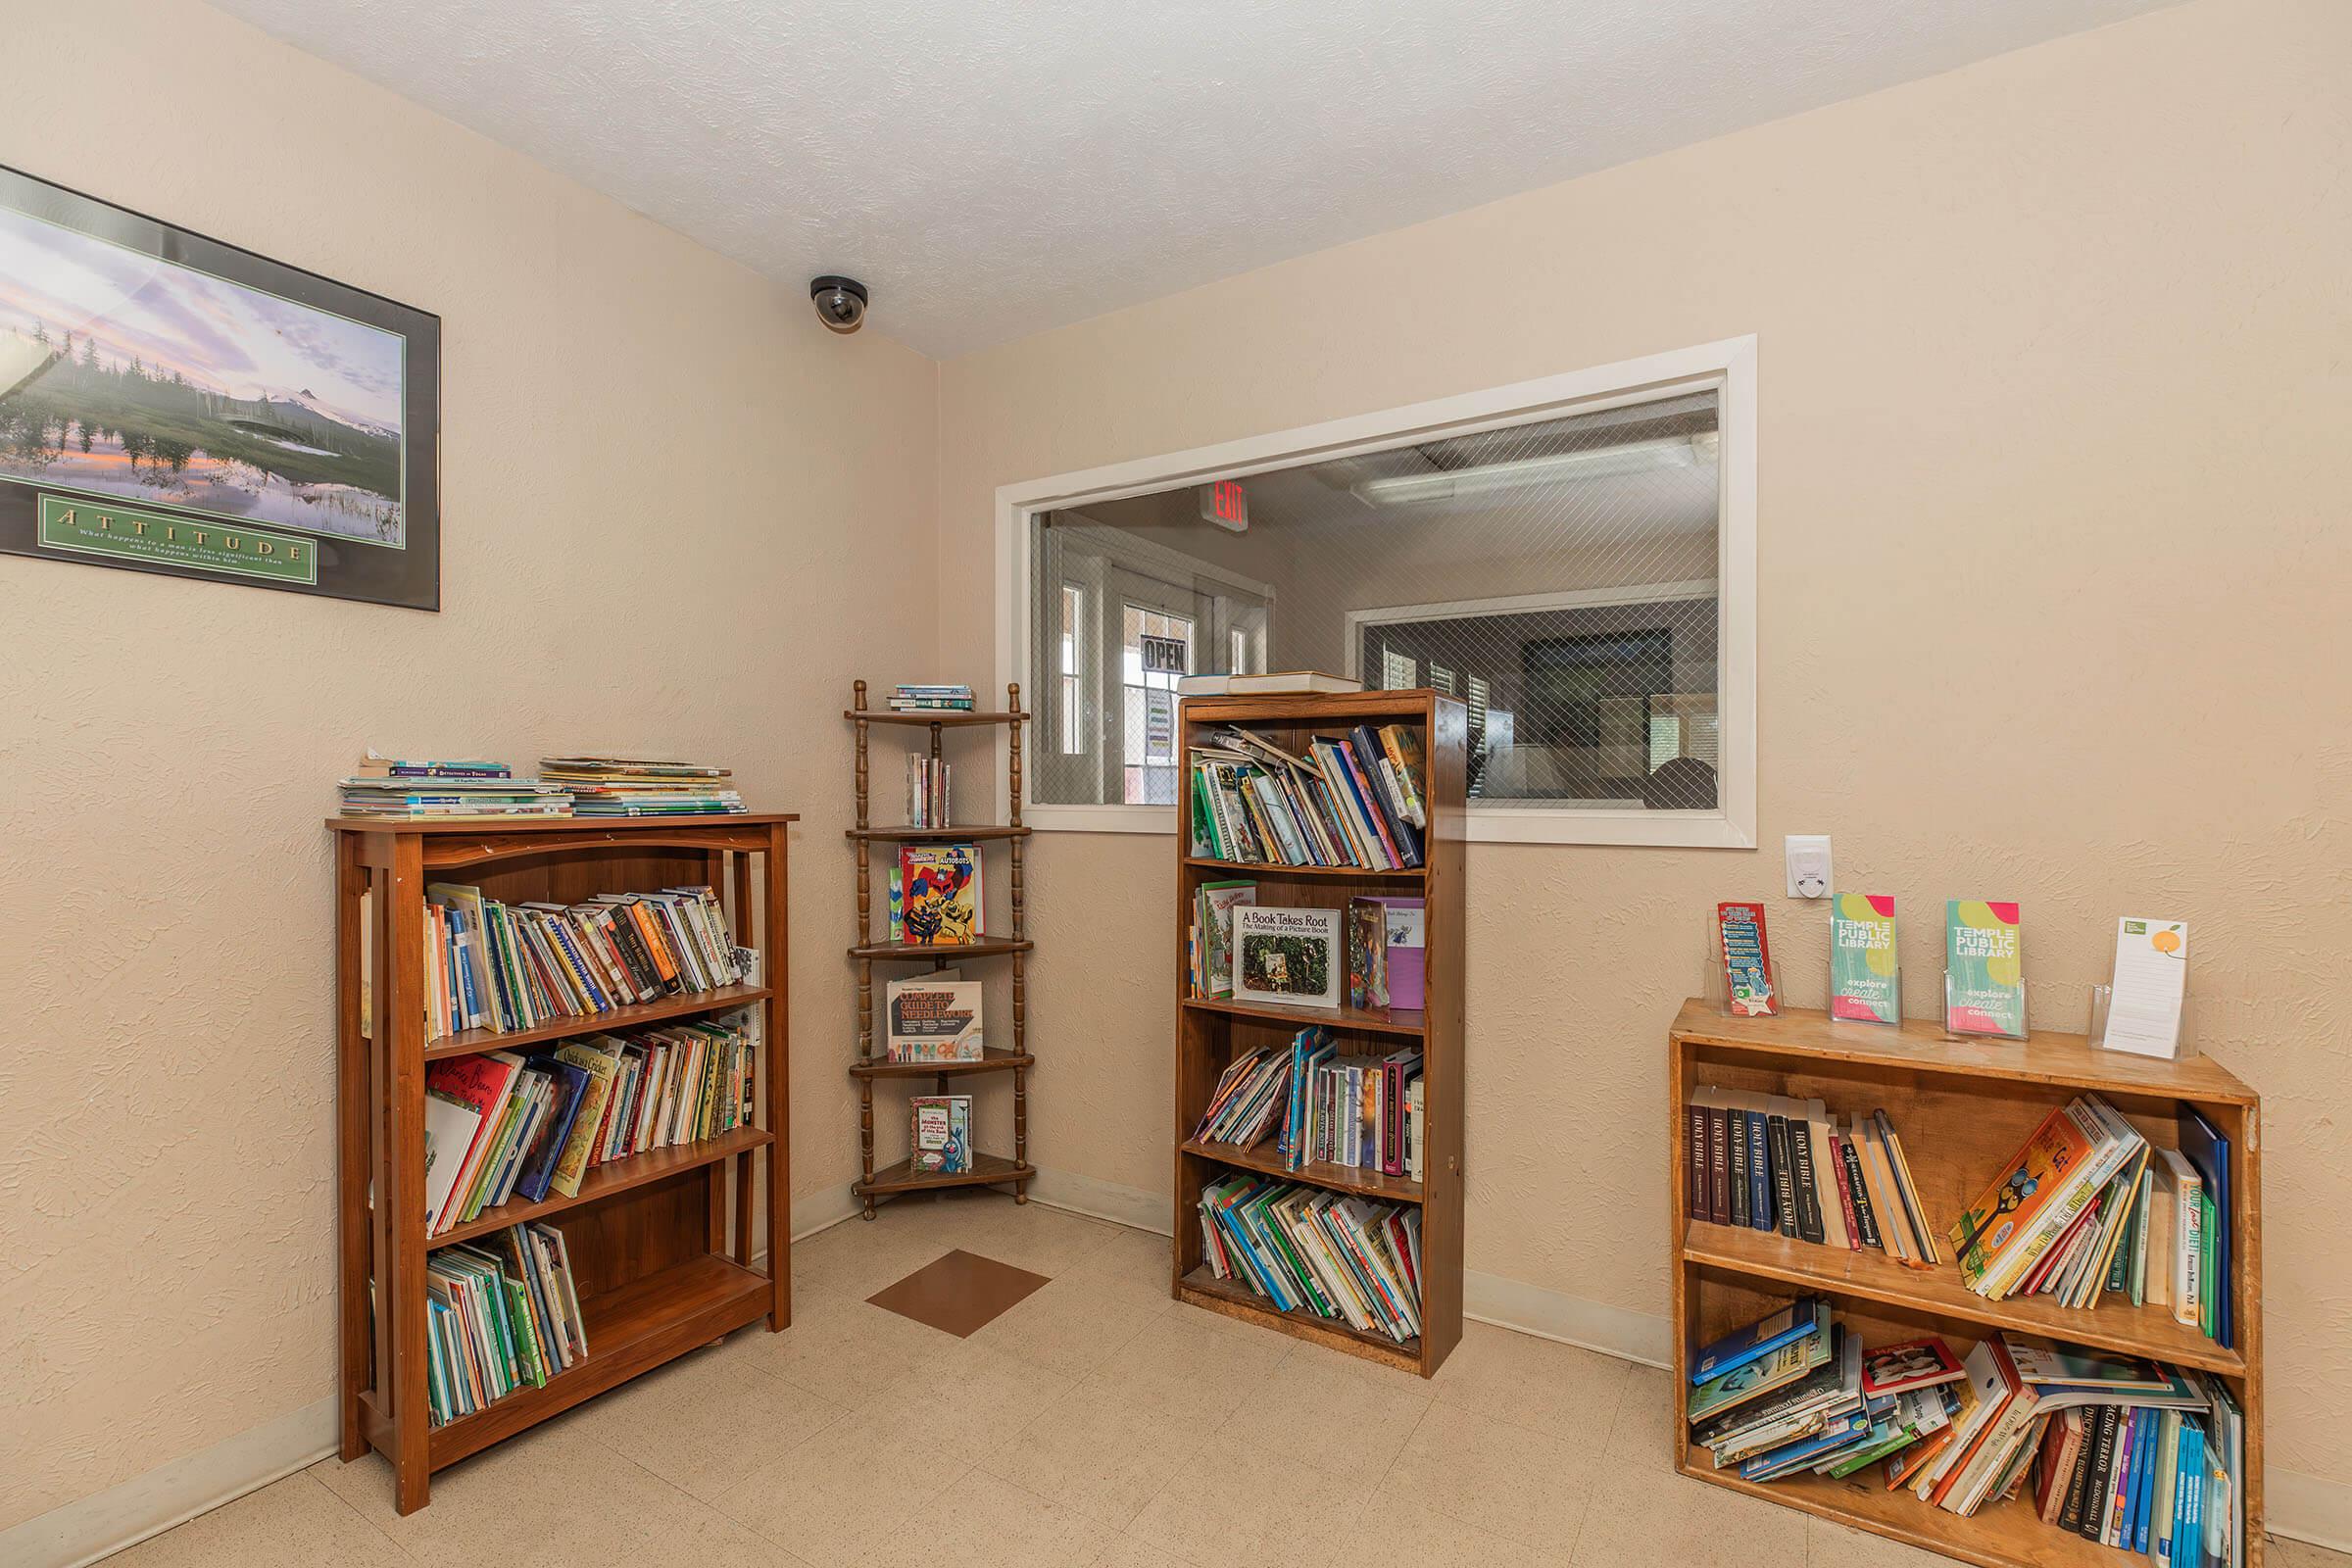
<point>1635,456</point>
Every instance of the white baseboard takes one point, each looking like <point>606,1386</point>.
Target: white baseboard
<point>1130,1206</point>
<point>1514,1305</point>
<point>122,1516</point>
<point>2305,1507</point>
<point>2302,1508</point>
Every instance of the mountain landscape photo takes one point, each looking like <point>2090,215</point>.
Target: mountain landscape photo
<point>124,376</point>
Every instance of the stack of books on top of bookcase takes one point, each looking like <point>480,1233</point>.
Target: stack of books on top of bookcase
<point>396,789</point>
<point>632,786</point>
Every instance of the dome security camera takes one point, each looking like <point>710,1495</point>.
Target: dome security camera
<point>840,302</point>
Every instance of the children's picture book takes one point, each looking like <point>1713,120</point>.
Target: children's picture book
<point>1806,1315</point>
<point>1217,901</point>
<point>1912,1364</point>
<point>1293,957</point>
<point>2046,1362</point>
<point>1367,953</point>
<point>1984,976</point>
<point>1387,945</point>
<point>942,1134</point>
<point>1746,961</point>
<point>1794,1362</point>
<point>939,893</point>
<point>1865,978</point>
<point>1405,942</point>
<point>932,1017</point>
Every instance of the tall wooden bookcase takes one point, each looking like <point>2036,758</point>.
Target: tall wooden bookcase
<point>1962,1106</point>
<point>664,1246</point>
<point>1210,1033</point>
<point>871,1063</point>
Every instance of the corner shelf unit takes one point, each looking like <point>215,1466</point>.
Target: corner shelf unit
<point>871,1063</point>
<point>665,1246</point>
<point>1210,1032</point>
<point>1962,1105</point>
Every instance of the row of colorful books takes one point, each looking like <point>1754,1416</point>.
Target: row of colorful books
<point>1364,1112</point>
<point>504,1315</point>
<point>635,786</point>
<point>2088,1206</point>
<point>2129,1452</point>
<point>929,791</point>
<point>1353,801</point>
<point>1307,1250</point>
<point>923,699</point>
<point>495,965</point>
<point>1770,1163</point>
<point>498,1125</point>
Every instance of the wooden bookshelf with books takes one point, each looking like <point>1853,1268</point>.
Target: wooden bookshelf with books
<point>1319,1054</point>
<point>933,910</point>
<point>562,1078</point>
<point>1929,1127</point>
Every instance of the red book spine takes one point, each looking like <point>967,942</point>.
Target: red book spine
<point>1846,1193</point>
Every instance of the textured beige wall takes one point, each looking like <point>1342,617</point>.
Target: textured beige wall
<point>2053,354</point>
<point>675,507</point>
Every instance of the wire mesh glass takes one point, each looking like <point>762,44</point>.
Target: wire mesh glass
<point>1558,576</point>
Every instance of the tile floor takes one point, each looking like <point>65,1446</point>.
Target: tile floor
<point>1092,1424</point>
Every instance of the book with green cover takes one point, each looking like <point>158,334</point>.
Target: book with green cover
<point>1984,969</point>
<point>1864,979</point>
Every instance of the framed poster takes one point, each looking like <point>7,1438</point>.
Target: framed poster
<point>171,404</point>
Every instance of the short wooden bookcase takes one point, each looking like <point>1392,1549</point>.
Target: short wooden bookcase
<point>1210,1033</point>
<point>1962,1106</point>
<point>664,1246</point>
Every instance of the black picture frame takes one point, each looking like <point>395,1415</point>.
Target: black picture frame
<point>296,494</point>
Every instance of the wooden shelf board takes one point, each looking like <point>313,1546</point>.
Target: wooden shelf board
<point>1876,1277</point>
<point>962,950</point>
<point>935,835</point>
<point>995,1061</point>
<point>468,826</point>
<point>1269,869</point>
<point>1312,709</point>
<point>1232,1298</point>
<point>951,717</point>
<point>634,1329</point>
<point>1371,1021</point>
<point>615,1176</point>
<point>2000,1534</point>
<point>1315,1173</point>
<point>1922,1045</point>
<point>469,1042</point>
<point>987,1170</point>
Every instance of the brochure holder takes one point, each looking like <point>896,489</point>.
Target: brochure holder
<point>2025,1025</point>
<point>1894,1022</point>
<point>1715,988</point>
<point>2102,995</point>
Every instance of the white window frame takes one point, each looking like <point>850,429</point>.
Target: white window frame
<point>1726,368</point>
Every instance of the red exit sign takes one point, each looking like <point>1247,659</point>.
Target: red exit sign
<point>1226,504</point>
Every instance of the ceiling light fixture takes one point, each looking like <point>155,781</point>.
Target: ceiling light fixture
<point>1636,456</point>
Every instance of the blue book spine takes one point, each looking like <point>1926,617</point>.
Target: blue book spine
<point>550,1146</point>
<point>1759,1173</point>
<point>461,940</point>
<point>2146,1502</point>
<point>2188,1546</point>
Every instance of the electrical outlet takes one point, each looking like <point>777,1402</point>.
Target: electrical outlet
<point>1809,874</point>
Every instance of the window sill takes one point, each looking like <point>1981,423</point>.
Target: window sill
<point>1695,830</point>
